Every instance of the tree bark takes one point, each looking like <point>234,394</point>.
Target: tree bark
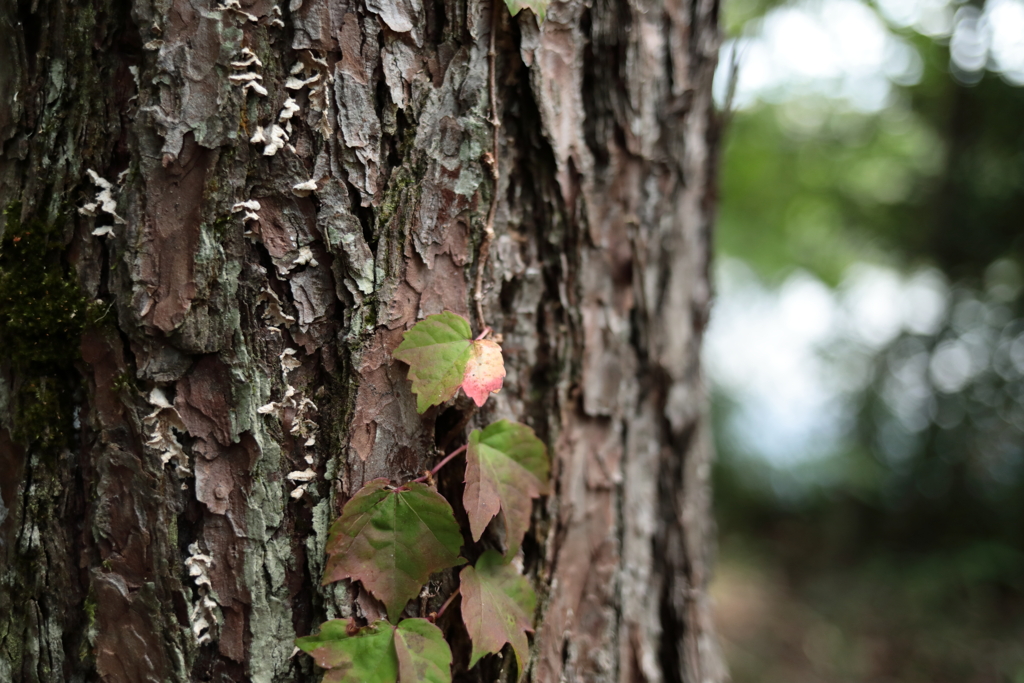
<point>220,220</point>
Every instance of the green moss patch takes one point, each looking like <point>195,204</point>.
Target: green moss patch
<point>42,314</point>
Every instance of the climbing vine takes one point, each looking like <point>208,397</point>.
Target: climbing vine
<point>391,537</point>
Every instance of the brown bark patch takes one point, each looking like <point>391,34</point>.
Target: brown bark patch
<point>223,485</point>
<point>107,363</point>
<point>375,393</point>
<point>204,403</point>
<point>12,464</point>
<point>128,650</point>
<point>171,235</point>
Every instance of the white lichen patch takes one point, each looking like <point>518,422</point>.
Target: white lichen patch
<point>236,7</point>
<point>313,72</point>
<point>293,259</point>
<point>102,203</point>
<point>305,256</point>
<point>288,362</point>
<point>275,13</point>
<point>278,138</point>
<point>250,208</point>
<point>274,313</point>
<point>250,80</point>
<point>251,205</point>
<point>302,478</point>
<point>241,78</point>
<point>203,615</point>
<point>294,83</point>
<point>299,408</point>
<point>249,59</point>
<point>302,475</point>
<point>199,565</point>
<point>302,426</point>
<point>290,107</point>
<point>277,407</point>
<point>161,438</point>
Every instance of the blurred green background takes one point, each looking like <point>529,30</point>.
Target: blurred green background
<point>866,352</point>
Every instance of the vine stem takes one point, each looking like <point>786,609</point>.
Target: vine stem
<point>447,602</point>
<point>485,246</point>
<point>441,464</point>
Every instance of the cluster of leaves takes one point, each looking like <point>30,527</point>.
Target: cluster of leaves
<point>392,537</point>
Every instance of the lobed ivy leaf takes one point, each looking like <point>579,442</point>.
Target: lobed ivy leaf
<point>365,655</point>
<point>506,467</point>
<point>497,608</point>
<point>539,7</point>
<point>413,651</point>
<point>392,539</point>
<point>443,356</point>
<point>423,654</point>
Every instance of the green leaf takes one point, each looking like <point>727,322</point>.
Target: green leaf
<point>423,654</point>
<point>437,350</point>
<point>365,655</point>
<point>539,7</point>
<point>392,539</point>
<point>443,356</point>
<point>413,651</point>
<point>506,467</point>
<point>497,608</point>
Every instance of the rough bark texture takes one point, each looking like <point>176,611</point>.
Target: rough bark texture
<point>291,187</point>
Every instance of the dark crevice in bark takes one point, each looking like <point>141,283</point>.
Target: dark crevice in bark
<point>31,23</point>
<point>606,30</point>
<point>670,553</point>
<point>367,217</point>
<point>450,426</point>
<point>303,596</point>
<point>531,183</point>
<point>74,638</point>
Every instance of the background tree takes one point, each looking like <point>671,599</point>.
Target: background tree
<point>890,549</point>
<point>220,219</point>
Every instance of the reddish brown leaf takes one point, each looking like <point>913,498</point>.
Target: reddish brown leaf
<point>412,652</point>
<point>497,608</point>
<point>506,467</point>
<point>392,539</point>
<point>485,371</point>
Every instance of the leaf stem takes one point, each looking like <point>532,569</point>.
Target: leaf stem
<point>447,602</point>
<point>487,331</point>
<point>441,464</point>
<point>485,246</point>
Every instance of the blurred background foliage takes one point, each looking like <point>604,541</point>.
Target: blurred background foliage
<point>866,352</point>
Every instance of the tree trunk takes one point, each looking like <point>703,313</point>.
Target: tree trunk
<point>220,219</point>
